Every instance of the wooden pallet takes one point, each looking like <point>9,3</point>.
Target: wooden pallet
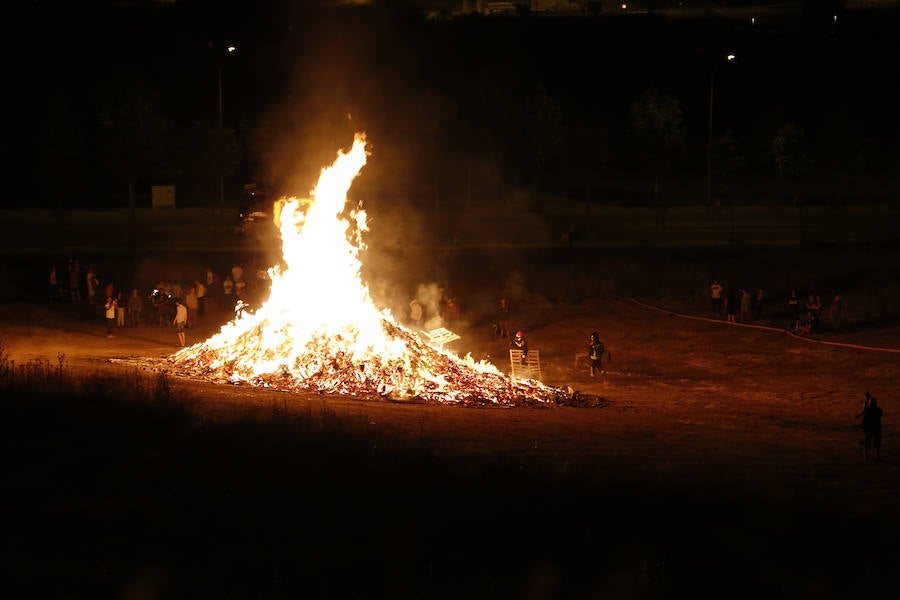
<point>440,336</point>
<point>530,370</point>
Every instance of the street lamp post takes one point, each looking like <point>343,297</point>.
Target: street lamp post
<point>228,50</point>
<point>709,128</point>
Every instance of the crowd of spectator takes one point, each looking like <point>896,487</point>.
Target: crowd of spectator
<point>804,314</point>
<point>131,306</point>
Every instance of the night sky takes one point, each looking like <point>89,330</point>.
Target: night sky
<point>438,87</point>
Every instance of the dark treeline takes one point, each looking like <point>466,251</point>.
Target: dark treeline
<point>611,109</point>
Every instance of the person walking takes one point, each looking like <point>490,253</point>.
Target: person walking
<point>110,308</point>
<point>180,320</point>
<point>596,348</point>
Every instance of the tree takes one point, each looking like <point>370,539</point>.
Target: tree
<point>727,155</point>
<point>788,150</point>
<point>135,139</point>
<point>659,129</point>
<point>541,128</point>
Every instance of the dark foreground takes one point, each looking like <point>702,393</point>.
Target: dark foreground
<point>124,491</point>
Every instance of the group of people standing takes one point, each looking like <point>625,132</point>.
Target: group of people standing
<point>74,285</point>
<point>120,312</point>
<point>170,303</point>
<point>740,305</point>
<point>806,316</point>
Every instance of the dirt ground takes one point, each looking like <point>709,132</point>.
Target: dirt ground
<point>685,402</point>
<point>721,461</point>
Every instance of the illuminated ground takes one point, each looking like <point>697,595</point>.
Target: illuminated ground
<point>682,395</point>
<point>753,423</point>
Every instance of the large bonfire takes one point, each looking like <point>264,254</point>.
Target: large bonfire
<point>320,331</point>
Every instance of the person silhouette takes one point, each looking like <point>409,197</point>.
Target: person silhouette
<point>871,425</point>
<point>595,354</point>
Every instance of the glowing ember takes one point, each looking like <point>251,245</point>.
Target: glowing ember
<point>320,331</point>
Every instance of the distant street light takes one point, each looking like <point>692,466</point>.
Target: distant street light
<point>709,130</point>
<point>228,50</point>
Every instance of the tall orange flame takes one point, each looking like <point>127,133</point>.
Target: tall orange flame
<point>319,330</point>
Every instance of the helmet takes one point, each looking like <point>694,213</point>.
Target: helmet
<point>519,334</point>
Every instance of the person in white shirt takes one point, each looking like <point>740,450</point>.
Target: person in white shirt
<point>110,307</point>
<point>180,321</point>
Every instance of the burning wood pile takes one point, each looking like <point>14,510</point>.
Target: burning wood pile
<point>303,339</point>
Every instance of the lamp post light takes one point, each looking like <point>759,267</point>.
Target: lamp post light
<point>228,50</point>
<point>709,129</point>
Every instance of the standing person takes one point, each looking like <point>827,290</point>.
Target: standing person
<point>596,348</point>
<point>732,301</point>
<point>120,310</point>
<point>415,313</point>
<point>794,310</point>
<point>237,273</point>
<point>745,305</point>
<point>211,278</point>
<point>54,284</point>
<point>176,290</point>
<point>201,298</point>
<point>759,303</point>
<point>837,312</point>
<point>92,284</point>
<point>180,320</point>
<point>450,314</point>
<point>503,320</point>
<point>135,307</point>
<point>110,315</point>
<point>871,425</point>
<point>228,293</point>
<point>213,287</point>
<point>520,343</point>
<point>715,292</point>
<point>161,300</point>
<point>192,303</point>
<point>813,309</point>
<point>240,290</point>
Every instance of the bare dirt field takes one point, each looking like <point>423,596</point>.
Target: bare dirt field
<point>722,460</point>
